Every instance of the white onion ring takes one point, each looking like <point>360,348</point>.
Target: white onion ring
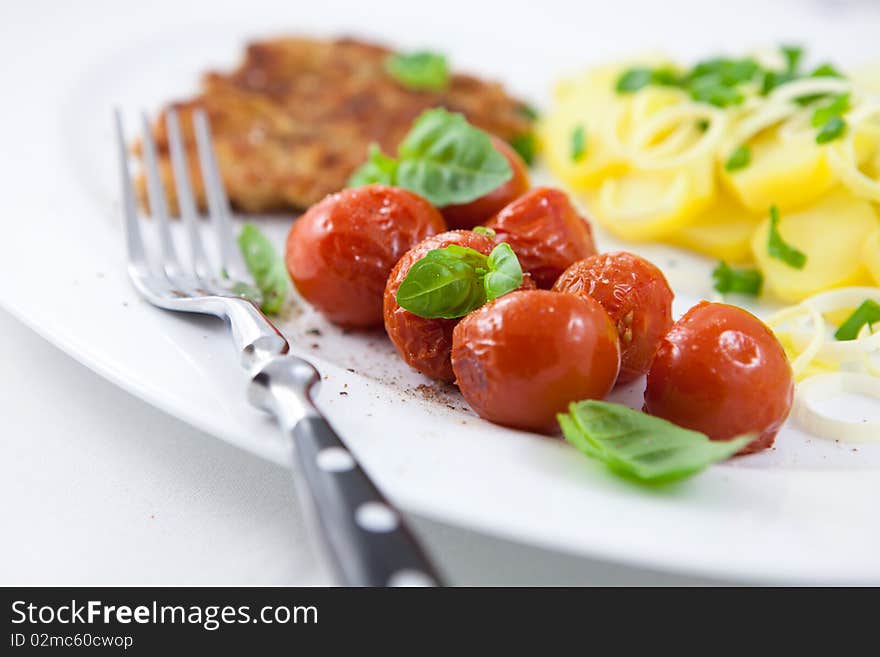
<point>822,386</point>
<point>808,355</point>
<point>843,160</point>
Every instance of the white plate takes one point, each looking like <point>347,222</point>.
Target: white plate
<point>803,512</point>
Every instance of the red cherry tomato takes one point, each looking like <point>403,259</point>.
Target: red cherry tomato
<point>721,371</point>
<point>425,343</point>
<point>468,215</point>
<point>546,232</point>
<point>637,297</point>
<point>340,252</point>
<point>520,359</point>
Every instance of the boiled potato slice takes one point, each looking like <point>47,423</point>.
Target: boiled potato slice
<point>831,233</point>
<point>723,230</point>
<point>649,205</point>
<point>871,255</point>
<point>789,174</point>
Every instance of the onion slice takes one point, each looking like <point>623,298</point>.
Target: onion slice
<point>823,386</point>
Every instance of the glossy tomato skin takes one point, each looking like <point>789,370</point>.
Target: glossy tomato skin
<point>635,294</point>
<point>426,343</point>
<point>721,371</point>
<point>520,359</point>
<point>479,211</point>
<point>340,252</point>
<point>546,232</point>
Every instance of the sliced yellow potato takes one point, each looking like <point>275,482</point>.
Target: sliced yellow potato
<point>871,255</point>
<point>723,230</point>
<point>790,174</point>
<point>649,205</point>
<point>831,233</point>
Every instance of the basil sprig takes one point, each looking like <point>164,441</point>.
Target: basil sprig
<point>455,280</point>
<point>867,313</point>
<point>778,248</point>
<point>642,446</point>
<point>421,71</point>
<point>443,158</point>
<point>266,266</point>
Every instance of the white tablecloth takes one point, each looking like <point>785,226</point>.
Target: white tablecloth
<point>99,488</point>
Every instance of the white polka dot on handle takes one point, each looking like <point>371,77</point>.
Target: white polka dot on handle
<point>375,517</point>
<point>335,459</point>
<point>409,578</point>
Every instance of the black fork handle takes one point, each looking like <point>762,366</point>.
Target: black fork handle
<point>368,540</point>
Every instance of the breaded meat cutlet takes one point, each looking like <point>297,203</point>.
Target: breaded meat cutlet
<point>294,120</point>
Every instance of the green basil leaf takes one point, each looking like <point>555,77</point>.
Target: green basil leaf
<point>525,147</point>
<point>578,143</point>
<point>443,284</point>
<point>266,266</point>
<point>379,168</point>
<point>483,230</point>
<point>642,446</point>
<point>743,281</point>
<point>739,159</point>
<point>834,128</point>
<point>422,70</point>
<point>867,313</point>
<point>634,79</point>
<point>780,249</point>
<point>447,160</point>
<point>505,273</point>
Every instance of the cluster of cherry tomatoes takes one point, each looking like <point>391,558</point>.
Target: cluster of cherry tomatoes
<point>580,323</point>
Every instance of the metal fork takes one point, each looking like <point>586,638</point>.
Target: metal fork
<point>366,537</point>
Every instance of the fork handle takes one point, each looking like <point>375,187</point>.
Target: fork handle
<point>367,538</point>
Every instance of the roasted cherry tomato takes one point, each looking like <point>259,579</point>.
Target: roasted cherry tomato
<point>721,371</point>
<point>426,343</point>
<point>546,232</point>
<point>340,252</point>
<point>468,215</point>
<point>520,359</point>
<point>636,296</point>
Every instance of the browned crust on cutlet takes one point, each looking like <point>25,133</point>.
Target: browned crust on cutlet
<point>294,120</point>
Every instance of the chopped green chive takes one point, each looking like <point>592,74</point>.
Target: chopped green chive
<point>634,79</point>
<point>867,313</point>
<point>838,105</point>
<point>780,249</point>
<point>743,281</point>
<point>834,128</point>
<point>826,71</point>
<point>578,143</point>
<point>739,159</point>
<point>792,56</point>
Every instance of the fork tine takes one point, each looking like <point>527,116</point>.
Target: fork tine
<point>185,198</point>
<point>133,240</point>
<point>156,196</point>
<point>230,259</point>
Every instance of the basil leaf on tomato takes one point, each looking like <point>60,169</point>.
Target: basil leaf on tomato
<point>451,282</point>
